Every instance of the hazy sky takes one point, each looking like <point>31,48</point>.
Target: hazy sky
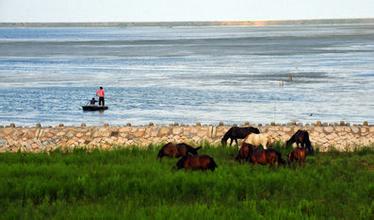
<point>180,10</point>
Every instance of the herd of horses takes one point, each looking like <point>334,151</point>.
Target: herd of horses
<point>250,150</point>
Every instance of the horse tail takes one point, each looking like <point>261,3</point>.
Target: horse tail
<point>226,136</point>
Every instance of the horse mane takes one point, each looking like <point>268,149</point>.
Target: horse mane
<point>307,140</point>
<point>293,138</point>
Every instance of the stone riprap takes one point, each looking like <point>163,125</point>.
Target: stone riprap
<point>342,137</point>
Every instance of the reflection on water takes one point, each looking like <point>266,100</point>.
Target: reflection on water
<point>188,74</point>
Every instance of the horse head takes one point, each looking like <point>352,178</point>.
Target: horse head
<point>289,143</point>
<point>256,131</point>
<point>180,163</point>
<point>194,151</point>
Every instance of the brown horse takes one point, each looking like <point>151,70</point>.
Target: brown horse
<point>243,153</point>
<point>196,162</point>
<point>267,156</point>
<point>301,137</point>
<point>177,150</point>
<point>297,155</point>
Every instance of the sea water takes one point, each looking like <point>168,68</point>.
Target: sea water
<point>189,74</point>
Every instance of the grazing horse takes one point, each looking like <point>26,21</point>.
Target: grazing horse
<point>263,157</point>
<point>297,155</point>
<point>235,133</point>
<point>177,150</point>
<point>243,153</point>
<point>196,162</point>
<point>301,137</point>
<point>257,140</point>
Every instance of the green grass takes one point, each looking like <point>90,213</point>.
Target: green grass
<point>132,184</point>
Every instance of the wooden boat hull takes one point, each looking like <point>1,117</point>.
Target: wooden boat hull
<point>94,108</point>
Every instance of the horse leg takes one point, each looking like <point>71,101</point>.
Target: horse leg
<point>236,141</point>
<point>303,161</point>
<point>291,160</point>
<point>271,162</point>
<point>252,160</point>
<point>231,141</point>
<point>274,161</point>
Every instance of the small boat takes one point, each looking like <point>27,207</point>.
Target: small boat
<point>94,108</point>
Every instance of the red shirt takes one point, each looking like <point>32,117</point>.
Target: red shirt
<point>100,92</point>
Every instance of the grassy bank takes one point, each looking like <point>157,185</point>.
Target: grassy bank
<point>131,183</point>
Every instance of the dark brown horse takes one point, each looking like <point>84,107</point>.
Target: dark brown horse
<point>297,155</point>
<point>196,162</point>
<point>177,150</point>
<point>301,137</point>
<point>267,156</point>
<point>243,154</point>
<point>235,133</point>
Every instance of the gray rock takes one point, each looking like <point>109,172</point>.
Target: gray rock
<point>2,142</point>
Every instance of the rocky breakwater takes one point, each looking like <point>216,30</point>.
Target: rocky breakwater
<point>341,136</point>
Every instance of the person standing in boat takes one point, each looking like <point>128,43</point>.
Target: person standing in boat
<point>100,93</point>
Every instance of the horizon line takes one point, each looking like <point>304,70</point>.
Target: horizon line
<point>191,23</point>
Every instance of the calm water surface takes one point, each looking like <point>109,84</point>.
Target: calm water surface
<point>188,74</point>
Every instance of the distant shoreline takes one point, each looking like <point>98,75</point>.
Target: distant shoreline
<point>253,23</point>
